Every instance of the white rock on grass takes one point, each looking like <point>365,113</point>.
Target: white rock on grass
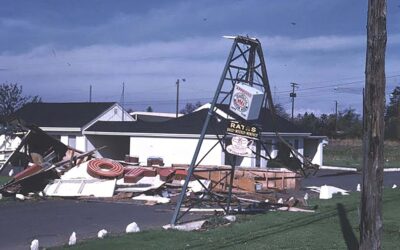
<point>35,244</point>
<point>394,186</point>
<point>72,239</point>
<point>358,187</point>
<point>132,228</point>
<point>102,233</point>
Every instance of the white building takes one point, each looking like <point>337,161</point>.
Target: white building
<point>175,140</point>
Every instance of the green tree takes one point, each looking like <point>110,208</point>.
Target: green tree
<point>281,111</point>
<point>346,125</point>
<point>392,115</point>
<point>190,107</point>
<point>349,124</point>
<point>149,109</point>
<point>12,98</point>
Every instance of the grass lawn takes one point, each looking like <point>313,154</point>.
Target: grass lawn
<point>333,226</point>
<point>348,153</point>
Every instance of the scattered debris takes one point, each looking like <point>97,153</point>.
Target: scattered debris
<point>105,168</point>
<point>132,228</point>
<point>52,169</point>
<point>197,186</point>
<point>231,218</point>
<point>74,188</point>
<point>295,209</point>
<point>154,198</point>
<point>20,197</point>
<point>326,192</point>
<point>190,226</point>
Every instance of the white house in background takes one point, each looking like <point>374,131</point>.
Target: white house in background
<point>67,121</point>
<point>175,140</point>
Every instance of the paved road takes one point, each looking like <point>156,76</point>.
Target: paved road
<point>52,221</point>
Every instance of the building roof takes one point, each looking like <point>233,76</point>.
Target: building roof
<point>153,116</point>
<point>193,123</point>
<point>188,124</point>
<point>72,114</point>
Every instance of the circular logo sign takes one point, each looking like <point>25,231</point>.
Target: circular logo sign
<point>241,102</point>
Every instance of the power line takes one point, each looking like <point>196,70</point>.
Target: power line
<point>331,85</point>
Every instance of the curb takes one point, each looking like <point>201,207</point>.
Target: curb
<point>355,170</point>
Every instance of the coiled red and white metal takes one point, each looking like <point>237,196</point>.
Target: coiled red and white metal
<point>105,168</point>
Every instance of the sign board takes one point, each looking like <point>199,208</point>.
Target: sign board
<point>239,128</point>
<point>240,146</point>
<point>246,101</point>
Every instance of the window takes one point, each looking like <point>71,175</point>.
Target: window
<point>72,141</point>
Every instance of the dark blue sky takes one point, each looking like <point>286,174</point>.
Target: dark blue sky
<point>56,49</point>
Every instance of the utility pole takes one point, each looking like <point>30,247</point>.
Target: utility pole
<point>90,93</point>
<point>293,95</point>
<point>177,95</point>
<point>371,223</point>
<point>336,116</point>
<point>123,100</point>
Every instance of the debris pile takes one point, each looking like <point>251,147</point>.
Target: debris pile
<point>45,167</point>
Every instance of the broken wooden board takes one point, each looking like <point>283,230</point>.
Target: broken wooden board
<point>75,188</point>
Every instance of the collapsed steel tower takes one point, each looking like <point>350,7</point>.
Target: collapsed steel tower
<point>245,66</point>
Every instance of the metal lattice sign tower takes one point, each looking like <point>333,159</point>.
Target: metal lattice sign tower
<point>244,74</point>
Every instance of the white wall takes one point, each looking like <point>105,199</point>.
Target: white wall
<point>175,150</point>
<point>318,158</point>
<point>81,143</point>
<point>313,149</point>
<point>114,114</point>
<point>64,139</point>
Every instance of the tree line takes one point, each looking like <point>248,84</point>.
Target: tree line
<point>348,123</point>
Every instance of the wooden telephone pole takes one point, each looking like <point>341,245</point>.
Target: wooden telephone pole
<point>371,224</point>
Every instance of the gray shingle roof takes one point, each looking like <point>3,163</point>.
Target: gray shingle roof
<point>73,114</point>
<point>192,124</point>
